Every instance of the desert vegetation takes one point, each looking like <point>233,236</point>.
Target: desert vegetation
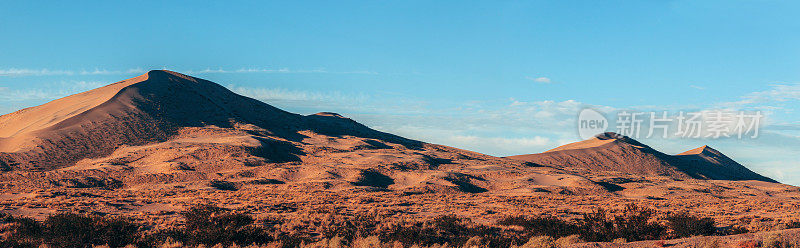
<point>208,225</point>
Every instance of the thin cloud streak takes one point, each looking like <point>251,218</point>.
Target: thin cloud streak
<point>23,72</point>
<point>51,92</point>
<point>279,70</point>
<point>697,87</point>
<point>15,72</point>
<point>776,94</point>
<point>544,80</point>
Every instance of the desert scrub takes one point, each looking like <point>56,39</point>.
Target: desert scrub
<point>540,242</point>
<point>709,242</point>
<point>776,240</point>
<point>568,240</point>
<point>541,226</point>
<point>685,225</point>
<point>210,226</point>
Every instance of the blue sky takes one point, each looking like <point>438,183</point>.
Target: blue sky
<point>499,77</point>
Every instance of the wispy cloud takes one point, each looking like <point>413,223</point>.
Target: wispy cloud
<point>780,92</point>
<point>49,91</point>
<point>780,98</point>
<point>278,94</point>
<point>112,72</point>
<point>15,72</point>
<point>697,87</point>
<point>21,72</point>
<point>544,80</point>
<point>274,70</point>
<point>508,128</point>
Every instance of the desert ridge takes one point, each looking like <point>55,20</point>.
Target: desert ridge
<point>618,153</point>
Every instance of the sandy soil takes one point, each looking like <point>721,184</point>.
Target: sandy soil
<point>151,146</point>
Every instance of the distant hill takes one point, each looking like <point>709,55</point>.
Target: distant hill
<point>706,162</point>
<point>618,153</point>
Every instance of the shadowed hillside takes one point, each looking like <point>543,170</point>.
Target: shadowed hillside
<point>618,153</point>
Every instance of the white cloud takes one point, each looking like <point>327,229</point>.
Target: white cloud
<point>307,102</point>
<point>273,70</point>
<point>277,94</point>
<point>48,92</point>
<point>439,133</point>
<point>776,94</point>
<point>697,87</point>
<point>14,72</point>
<point>112,72</point>
<point>544,80</point>
<point>515,127</point>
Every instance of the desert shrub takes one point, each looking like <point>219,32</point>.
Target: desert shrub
<point>208,225</point>
<point>117,231</point>
<point>69,230</point>
<point>171,237</point>
<point>633,224</point>
<point>686,225</point>
<point>596,226</point>
<point>26,228</point>
<point>351,228</point>
<point>732,230</point>
<point>19,232</point>
<point>793,224</point>
<point>79,230</point>
<point>211,225</point>
<point>541,226</point>
<point>449,229</point>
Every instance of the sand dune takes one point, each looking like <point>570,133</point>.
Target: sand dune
<point>709,163</point>
<point>164,127</point>
<point>617,153</point>
<point>609,152</point>
<point>150,108</point>
<point>155,144</point>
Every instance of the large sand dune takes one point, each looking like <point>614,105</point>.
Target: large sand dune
<point>154,144</point>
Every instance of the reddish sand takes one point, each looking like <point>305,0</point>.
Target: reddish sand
<point>150,146</point>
